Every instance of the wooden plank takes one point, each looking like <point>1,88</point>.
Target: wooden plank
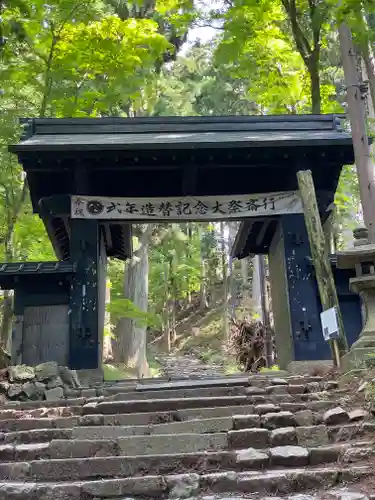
<point>46,335</point>
<point>319,251</point>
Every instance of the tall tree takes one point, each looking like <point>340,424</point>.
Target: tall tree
<point>131,334</point>
<point>308,21</point>
<point>359,15</point>
<point>264,38</point>
<point>66,58</point>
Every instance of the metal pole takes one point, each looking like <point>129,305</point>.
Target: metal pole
<point>357,115</point>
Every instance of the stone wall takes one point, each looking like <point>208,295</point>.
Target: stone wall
<point>47,381</point>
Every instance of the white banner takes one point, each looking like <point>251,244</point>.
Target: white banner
<point>188,208</point>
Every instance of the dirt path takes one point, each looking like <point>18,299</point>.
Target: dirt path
<point>188,366</point>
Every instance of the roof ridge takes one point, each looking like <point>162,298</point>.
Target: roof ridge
<point>56,126</point>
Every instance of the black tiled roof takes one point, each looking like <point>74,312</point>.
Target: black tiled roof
<point>31,268</point>
<point>180,132</point>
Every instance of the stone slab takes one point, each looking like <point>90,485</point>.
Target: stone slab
<point>33,451</point>
<point>181,486</point>
<point>281,481</point>
<point>315,435</point>
<point>147,418</point>
<point>35,436</point>
<point>248,438</point>
<point>324,454</point>
<point>283,436</point>
<point>178,393</point>
<point>245,422</point>
<point>112,407</point>
<point>217,382</point>
<point>289,456</point>
<point>80,448</point>
<point>251,458</point>
<point>279,419</point>
<point>76,469</point>
<point>210,425</point>
<point>171,443</point>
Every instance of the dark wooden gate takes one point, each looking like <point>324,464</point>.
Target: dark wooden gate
<point>46,335</point>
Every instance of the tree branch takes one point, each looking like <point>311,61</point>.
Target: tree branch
<point>316,24</point>
<point>301,41</point>
<point>12,217</point>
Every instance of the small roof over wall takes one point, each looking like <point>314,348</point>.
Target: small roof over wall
<point>15,273</point>
<point>178,156</point>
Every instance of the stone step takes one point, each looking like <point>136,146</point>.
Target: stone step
<point>268,384</point>
<point>246,437</point>
<point>118,395</point>
<point>292,393</point>
<point>146,418</point>
<point>182,384</point>
<point>254,394</point>
<point>272,428</point>
<point>159,453</point>
<point>183,485</point>
<point>306,413</point>
<point>262,387</point>
<point>281,428</point>
<point>108,407</point>
<point>111,407</point>
<point>243,459</point>
<point>337,493</point>
<point>202,426</point>
<point>254,445</point>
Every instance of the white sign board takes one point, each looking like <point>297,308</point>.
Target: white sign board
<point>188,208</point>
<point>330,324</point>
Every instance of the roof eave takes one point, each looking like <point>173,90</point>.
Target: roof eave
<point>39,148</point>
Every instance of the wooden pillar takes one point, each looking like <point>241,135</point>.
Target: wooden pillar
<point>85,342</point>
<point>319,251</point>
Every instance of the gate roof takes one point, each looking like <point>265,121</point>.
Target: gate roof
<point>176,156</point>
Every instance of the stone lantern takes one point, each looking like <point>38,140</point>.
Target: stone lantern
<point>361,258</point>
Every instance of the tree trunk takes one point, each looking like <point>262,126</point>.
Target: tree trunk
<point>107,340</point>
<point>265,310</point>
<point>166,318</point>
<point>203,303</point>
<point>232,292</point>
<point>368,58</point>
<point>172,302</point>
<point>257,287</point>
<point>224,265</point>
<point>189,234</point>
<point>131,336</point>
<point>370,70</point>
<point>13,212</point>
<point>245,276</point>
<point>313,68</point>
<point>357,115</point>
<point>6,324</point>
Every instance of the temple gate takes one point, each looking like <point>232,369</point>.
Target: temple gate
<point>90,179</point>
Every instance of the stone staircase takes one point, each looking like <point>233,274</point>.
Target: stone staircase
<point>218,439</point>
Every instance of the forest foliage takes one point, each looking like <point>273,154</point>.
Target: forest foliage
<point>77,58</point>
